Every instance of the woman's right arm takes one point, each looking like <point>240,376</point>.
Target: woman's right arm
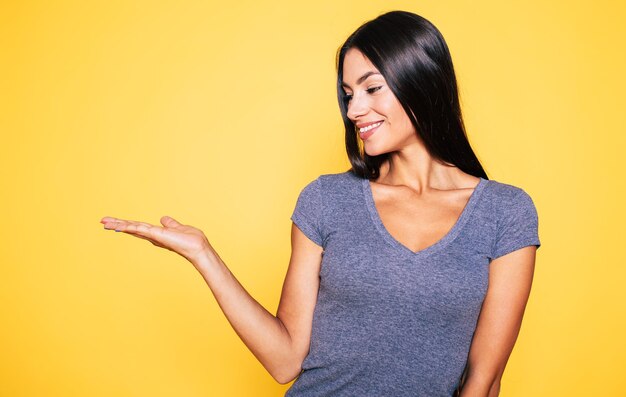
<point>279,342</point>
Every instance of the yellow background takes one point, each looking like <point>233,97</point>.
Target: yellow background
<point>218,114</point>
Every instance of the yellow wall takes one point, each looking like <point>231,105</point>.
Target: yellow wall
<point>218,115</point>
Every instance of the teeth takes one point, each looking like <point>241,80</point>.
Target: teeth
<point>369,127</point>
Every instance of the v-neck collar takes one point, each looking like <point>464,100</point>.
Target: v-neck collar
<point>449,236</point>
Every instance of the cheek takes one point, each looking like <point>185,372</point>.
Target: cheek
<point>394,111</point>
<point>390,108</point>
<point>400,118</point>
<point>407,123</point>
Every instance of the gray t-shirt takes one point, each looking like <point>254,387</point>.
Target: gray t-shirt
<point>389,321</point>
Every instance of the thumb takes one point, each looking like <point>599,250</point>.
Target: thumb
<point>169,222</point>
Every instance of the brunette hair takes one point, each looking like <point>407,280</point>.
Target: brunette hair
<point>412,56</point>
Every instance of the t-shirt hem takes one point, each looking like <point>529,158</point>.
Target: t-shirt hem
<point>516,246</point>
<point>309,231</point>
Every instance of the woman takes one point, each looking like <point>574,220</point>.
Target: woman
<point>410,272</point>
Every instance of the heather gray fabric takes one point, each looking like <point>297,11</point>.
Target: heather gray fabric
<point>388,321</point>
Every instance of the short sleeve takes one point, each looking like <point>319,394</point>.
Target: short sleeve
<point>517,225</point>
<point>307,214</point>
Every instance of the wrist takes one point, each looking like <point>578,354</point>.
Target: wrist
<point>205,260</point>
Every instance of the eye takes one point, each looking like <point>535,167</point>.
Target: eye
<point>347,97</point>
<point>372,90</point>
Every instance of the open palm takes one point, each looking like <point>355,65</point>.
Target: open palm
<point>185,240</point>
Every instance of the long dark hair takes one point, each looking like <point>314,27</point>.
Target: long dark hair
<point>414,59</point>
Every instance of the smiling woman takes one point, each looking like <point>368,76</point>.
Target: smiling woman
<point>410,272</point>
<point>373,107</point>
<point>410,59</point>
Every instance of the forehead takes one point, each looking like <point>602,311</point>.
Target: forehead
<point>355,65</point>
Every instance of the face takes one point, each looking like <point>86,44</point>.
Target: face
<point>381,122</point>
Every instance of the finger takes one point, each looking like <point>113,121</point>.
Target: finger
<point>116,225</point>
<point>137,223</point>
<point>154,242</point>
<point>168,221</point>
<point>143,229</point>
<point>121,224</point>
<point>111,224</point>
<point>109,219</point>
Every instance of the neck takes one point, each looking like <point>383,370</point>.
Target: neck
<point>415,168</point>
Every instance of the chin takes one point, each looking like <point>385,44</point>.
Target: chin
<point>373,151</point>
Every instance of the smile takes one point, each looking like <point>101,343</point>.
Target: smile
<point>369,127</point>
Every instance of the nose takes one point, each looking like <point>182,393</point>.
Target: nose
<point>357,107</point>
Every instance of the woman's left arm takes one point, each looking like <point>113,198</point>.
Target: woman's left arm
<point>499,322</point>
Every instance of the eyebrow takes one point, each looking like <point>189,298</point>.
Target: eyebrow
<point>360,79</point>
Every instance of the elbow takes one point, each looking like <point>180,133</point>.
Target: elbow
<point>481,383</point>
<point>283,381</point>
<point>286,374</point>
<point>285,377</point>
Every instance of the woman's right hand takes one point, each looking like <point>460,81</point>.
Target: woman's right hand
<point>280,342</point>
<point>185,240</point>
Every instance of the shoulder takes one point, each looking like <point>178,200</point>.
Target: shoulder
<point>502,190</point>
<point>513,215</point>
<point>335,192</point>
<point>504,204</point>
<point>337,182</point>
<point>339,178</point>
<point>324,200</point>
<point>331,186</point>
<point>502,196</point>
<point>509,202</point>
